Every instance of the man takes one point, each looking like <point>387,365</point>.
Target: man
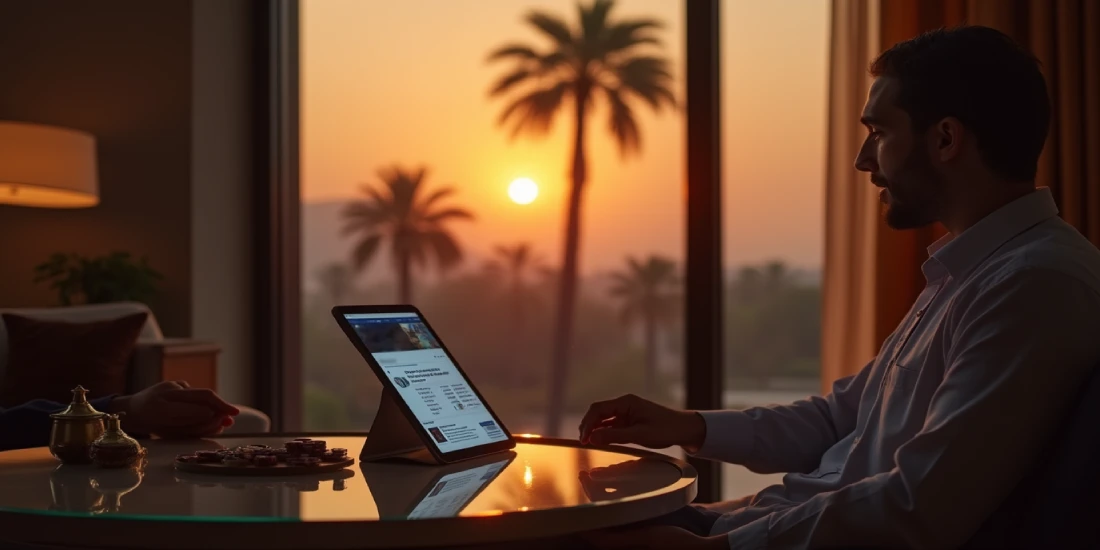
<point>167,409</point>
<point>926,441</point>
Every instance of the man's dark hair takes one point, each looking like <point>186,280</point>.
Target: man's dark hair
<point>983,78</point>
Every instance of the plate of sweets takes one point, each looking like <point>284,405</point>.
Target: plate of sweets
<point>298,457</point>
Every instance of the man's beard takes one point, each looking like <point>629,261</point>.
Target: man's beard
<point>916,205</point>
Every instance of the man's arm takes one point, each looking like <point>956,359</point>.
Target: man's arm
<point>28,425</point>
<point>1022,349</point>
<point>785,438</point>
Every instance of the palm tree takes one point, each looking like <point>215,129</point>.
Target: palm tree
<point>412,220</point>
<point>336,281</point>
<point>597,58</point>
<point>649,293</point>
<point>517,260</point>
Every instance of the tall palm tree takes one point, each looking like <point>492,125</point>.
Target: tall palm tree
<point>412,220</point>
<point>598,58</point>
<point>649,293</point>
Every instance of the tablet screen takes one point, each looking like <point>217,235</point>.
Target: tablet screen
<point>426,379</point>
<point>454,491</point>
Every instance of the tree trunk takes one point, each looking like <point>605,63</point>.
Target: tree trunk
<point>650,343</point>
<point>519,334</point>
<point>404,278</point>
<point>561,353</point>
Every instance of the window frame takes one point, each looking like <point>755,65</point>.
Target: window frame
<point>278,380</point>
<point>704,312</point>
<point>277,316</point>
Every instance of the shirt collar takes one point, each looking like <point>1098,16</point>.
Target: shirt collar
<point>958,254</point>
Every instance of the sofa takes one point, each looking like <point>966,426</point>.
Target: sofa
<point>145,363</point>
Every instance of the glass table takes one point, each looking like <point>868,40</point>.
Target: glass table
<point>545,488</point>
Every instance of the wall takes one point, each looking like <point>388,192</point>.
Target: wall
<point>121,70</point>
<point>221,187</point>
<point>167,89</point>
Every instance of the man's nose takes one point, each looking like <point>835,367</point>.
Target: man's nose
<point>865,160</point>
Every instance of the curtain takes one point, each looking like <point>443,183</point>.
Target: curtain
<point>851,202</point>
<point>872,273</point>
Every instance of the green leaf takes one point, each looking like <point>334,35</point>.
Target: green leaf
<point>536,110</point>
<point>649,79</point>
<point>445,248</point>
<point>552,27</point>
<point>448,214</point>
<point>622,123</point>
<point>509,81</point>
<point>593,20</point>
<point>629,34</point>
<point>365,251</point>
<point>117,276</point>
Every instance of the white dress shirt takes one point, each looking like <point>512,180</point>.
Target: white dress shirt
<point>923,444</point>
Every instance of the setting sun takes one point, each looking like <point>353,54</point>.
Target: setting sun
<point>523,191</point>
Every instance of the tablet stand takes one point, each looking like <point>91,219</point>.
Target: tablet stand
<point>391,437</point>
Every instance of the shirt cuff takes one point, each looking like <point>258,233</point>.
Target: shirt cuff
<point>729,438</point>
<point>753,536</point>
<point>102,403</point>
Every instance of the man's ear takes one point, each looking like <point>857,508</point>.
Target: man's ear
<point>947,139</point>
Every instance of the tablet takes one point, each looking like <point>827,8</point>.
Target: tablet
<point>440,402</point>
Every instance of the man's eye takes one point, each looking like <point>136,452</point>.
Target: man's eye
<point>874,133</point>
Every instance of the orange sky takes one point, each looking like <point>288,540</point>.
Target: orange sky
<point>406,82</point>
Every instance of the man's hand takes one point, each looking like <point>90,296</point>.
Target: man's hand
<point>656,537</point>
<point>174,409</point>
<point>631,419</point>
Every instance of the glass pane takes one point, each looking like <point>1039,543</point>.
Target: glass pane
<point>774,96</point>
<point>390,88</point>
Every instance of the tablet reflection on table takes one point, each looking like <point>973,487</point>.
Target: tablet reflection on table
<point>408,491</point>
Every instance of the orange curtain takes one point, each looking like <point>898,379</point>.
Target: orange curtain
<point>1065,36</point>
<point>851,203</point>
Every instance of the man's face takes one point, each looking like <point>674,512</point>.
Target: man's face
<point>898,161</point>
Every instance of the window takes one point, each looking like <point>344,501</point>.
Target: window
<point>774,97</point>
<point>395,96</point>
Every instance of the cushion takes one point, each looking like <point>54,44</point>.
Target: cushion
<point>81,314</point>
<point>47,359</point>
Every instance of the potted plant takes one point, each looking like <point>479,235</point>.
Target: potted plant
<point>115,277</point>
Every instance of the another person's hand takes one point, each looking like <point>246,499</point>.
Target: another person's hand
<point>656,537</point>
<point>631,419</point>
<point>174,410</point>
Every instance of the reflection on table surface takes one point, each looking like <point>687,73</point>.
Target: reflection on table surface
<point>534,477</point>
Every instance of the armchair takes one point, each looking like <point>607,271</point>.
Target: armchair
<point>155,357</point>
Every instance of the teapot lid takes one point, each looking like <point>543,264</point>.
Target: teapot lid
<point>79,408</point>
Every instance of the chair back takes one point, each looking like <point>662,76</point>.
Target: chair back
<point>1058,504</point>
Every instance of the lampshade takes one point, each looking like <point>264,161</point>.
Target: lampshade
<point>47,166</point>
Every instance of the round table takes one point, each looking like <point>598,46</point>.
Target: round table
<point>545,488</point>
